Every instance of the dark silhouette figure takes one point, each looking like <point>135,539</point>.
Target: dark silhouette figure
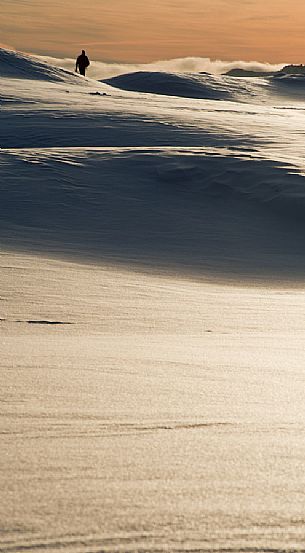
<point>82,63</point>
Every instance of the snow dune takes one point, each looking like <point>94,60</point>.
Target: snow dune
<point>265,89</point>
<point>159,206</point>
<point>88,169</point>
<point>17,65</point>
<point>173,84</point>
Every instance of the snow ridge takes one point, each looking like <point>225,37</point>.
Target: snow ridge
<point>17,65</point>
<point>202,86</point>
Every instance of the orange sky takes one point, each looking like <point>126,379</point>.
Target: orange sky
<point>149,30</point>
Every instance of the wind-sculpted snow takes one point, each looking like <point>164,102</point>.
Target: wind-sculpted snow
<point>188,182</point>
<point>173,84</point>
<point>21,66</point>
<point>175,207</point>
<point>292,80</point>
<point>188,85</point>
<point>263,89</point>
<point>290,87</point>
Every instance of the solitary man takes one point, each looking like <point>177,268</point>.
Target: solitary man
<point>82,63</point>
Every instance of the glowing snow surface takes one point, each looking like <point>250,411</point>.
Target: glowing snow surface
<point>152,316</point>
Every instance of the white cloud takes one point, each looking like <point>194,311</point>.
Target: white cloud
<point>102,70</point>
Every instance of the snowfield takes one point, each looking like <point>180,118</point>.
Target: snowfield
<point>152,306</point>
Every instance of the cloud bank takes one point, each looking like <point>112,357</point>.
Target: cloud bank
<point>101,70</point>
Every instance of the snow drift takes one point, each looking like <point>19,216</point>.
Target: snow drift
<point>195,184</point>
<point>22,66</point>
<point>180,208</point>
<point>205,86</point>
<point>173,84</point>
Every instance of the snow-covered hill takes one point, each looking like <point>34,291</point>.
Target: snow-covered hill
<point>17,65</point>
<point>266,89</point>
<point>173,84</point>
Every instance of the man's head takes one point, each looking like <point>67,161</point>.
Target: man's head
<point>83,52</point>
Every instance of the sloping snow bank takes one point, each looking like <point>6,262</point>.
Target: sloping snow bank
<point>161,207</point>
<point>22,66</point>
<point>173,84</point>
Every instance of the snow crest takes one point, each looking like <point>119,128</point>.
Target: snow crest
<point>17,65</point>
<point>205,86</point>
<point>202,86</point>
